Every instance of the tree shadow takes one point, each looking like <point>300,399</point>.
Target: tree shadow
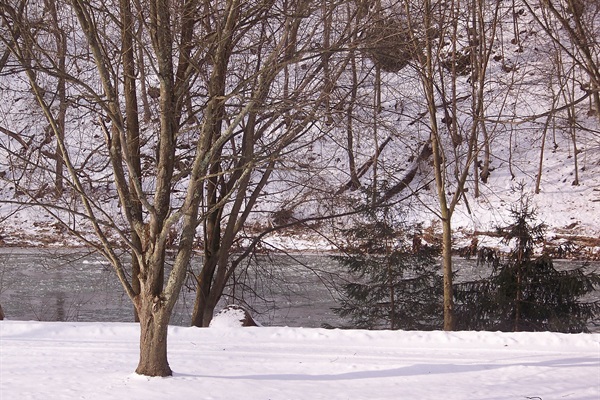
<point>411,370</point>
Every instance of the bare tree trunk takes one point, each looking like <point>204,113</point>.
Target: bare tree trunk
<point>202,313</point>
<point>142,72</point>
<point>572,118</point>
<point>538,178</point>
<point>487,154</point>
<point>480,53</point>
<point>328,84</point>
<point>476,163</point>
<point>573,134</point>
<point>376,110</point>
<point>133,130</point>
<point>456,151</point>
<point>350,125</point>
<point>510,154</point>
<point>154,324</point>
<point>449,321</point>
<point>428,72</point>
<point>61,44</point>
<point>516,31</point>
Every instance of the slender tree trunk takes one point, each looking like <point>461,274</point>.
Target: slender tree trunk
<point>142,79</point>
<point>350,125</point>
<point>487,152</point>
<point>538,178</point>
<point>476,176</point>
<point>426,62</point>
<point>328,84</point>
<point>573,131</point>
<point>519,290</point>
<point>376,110</point>
<point>449,323</point>
<point>391,283</point>
<point>446,218</point>
<point>202,313</point>
<point>213,123</point>
<point>61,48</point>
<point>510,154</point>
<point>133,130</point>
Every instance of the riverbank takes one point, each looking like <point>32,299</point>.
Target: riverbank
<point>565,243</point>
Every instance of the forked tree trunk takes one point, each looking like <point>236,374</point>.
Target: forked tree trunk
<point>154,324</point>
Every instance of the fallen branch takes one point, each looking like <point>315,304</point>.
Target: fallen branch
<point>409,176</point>
<point>365,167</point>
<point>16,137</point>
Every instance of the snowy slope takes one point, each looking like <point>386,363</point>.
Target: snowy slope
<point>513,96</point>
<point>96,361</point>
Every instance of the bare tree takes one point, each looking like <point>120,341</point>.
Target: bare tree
<point>455,143</point>
<point>578,21</point>
<point>60,37</point>
<point>281,121</point>
<point>572,28</point>
<point>223,62</point>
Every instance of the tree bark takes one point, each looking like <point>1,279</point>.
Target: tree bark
<point>355,183</point>
<point>449,323</point>
<point>154,323</point>
<point>61,48</point>
<point>133,130</point>
<point>202,314</point>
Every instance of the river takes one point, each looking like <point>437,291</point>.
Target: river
<point>70,285</point>
<point>74,285</point>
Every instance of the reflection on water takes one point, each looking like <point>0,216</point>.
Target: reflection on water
<point>78,286</point>
<point>59,286</point>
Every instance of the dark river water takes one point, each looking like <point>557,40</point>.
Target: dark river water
<point>69,285</point>
<point>61,285</point>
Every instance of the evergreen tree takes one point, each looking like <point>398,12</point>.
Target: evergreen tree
<point>525,293</point>
<point>394,281</point>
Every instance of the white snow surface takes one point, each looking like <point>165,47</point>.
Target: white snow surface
<point>64,360</point>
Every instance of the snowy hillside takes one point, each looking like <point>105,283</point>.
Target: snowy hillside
<point>538,123</point>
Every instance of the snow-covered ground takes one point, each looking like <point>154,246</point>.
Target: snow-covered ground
<point>59,360</point>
